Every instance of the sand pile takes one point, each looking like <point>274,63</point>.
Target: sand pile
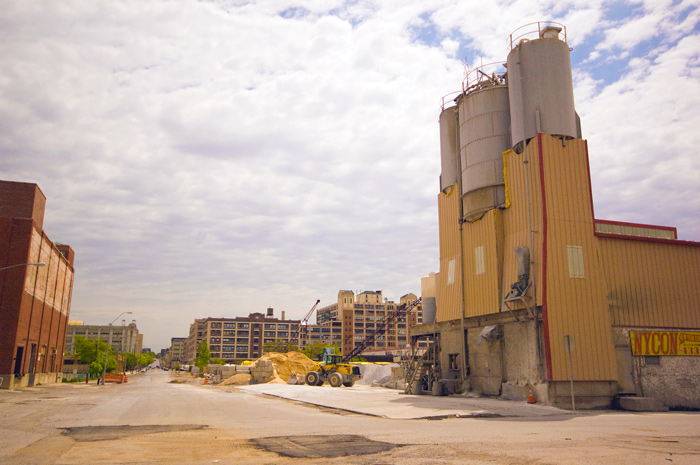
<point>285,364</point>
<point>237,380</point>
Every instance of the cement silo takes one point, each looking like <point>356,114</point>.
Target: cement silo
<point>484,122</point>
<point>540,84</point>
<point>449,148</point>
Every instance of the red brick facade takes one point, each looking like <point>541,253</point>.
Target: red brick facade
<point>34,301</point>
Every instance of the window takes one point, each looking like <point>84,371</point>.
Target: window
<point>575,255</point>
<point>451,272</point>
<point>479,260</point>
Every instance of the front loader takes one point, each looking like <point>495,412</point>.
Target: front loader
<point>334,369</point>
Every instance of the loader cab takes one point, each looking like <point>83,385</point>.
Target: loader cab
<point>330,358</point>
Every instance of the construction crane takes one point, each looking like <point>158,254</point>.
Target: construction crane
<point>305,322</point>
<point>337,370</point>
<point>382,327</point>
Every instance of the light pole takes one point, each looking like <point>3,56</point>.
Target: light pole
<point>40,264</point>
<point>109,345</point>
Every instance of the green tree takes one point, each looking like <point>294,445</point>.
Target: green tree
<point>218,361</point>
<point>315,350</point>
<point>279,345</point>
<point>91,352</point>
<point>131,362</point>
<point>203,356</point>
<point>146,359</point>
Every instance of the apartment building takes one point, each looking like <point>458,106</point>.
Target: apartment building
<point>240,338</point>
<point>354,317</point>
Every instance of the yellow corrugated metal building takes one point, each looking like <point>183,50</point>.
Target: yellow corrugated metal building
<point>593,286</point>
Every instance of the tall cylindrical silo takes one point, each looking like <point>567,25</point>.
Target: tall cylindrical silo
<point>484,122</point>
<point>449,148</point>
<point>541,88</point>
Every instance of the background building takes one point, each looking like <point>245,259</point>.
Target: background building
<point>533,290</point>
<point>34,301</point>
<point>176,352</point>
<point>125,338</point>
<point>240,338</point>
<point>347,323</point>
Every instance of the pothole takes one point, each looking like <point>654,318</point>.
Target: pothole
<point>328,446</point>
<point>108,433</point>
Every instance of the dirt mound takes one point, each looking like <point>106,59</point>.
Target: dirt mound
<point>237,380</point>
<point>285,364</point>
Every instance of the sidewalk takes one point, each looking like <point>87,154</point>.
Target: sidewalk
<point>393,404</point>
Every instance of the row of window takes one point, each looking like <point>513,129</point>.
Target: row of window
<point>232,325</point>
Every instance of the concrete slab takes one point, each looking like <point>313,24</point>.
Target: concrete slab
<point>641,404</point>
<point>393,404</point>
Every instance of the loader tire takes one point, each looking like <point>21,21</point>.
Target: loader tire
<point>313,379</point>
<point>335,379</point>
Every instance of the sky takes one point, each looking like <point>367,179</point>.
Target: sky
<point>215,158</point>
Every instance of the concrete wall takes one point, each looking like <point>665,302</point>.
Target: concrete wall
<point>11,382</point>
<point>485,362</point>
<point>672,380</point>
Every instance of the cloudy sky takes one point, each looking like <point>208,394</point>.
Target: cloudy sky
<point>215,158</point>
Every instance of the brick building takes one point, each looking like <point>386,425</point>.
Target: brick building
<point>34,300</point>
<point>354,317</point>
<point>238,339</point>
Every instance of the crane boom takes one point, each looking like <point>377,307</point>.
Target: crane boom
<point>388,322</point>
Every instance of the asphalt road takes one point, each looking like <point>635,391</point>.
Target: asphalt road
<point>151,420</point>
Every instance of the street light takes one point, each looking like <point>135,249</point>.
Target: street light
<point>109,345</point>
<point>40,264</point>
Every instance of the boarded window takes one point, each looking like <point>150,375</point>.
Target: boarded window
<point>451,272</point>
<point>479,260</point>
<point>575,255</point>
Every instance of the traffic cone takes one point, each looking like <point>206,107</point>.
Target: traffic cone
<point>530,398</point>
<point>206,380</point>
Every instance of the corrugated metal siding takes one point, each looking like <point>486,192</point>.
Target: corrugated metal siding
<point>652,284</point>
<point>449,295</point>
<point>623,229</point>
<point>575,306</point>
<point>515,224</point>
<point>483,294</point>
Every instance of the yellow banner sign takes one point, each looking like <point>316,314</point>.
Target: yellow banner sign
<point>665,343</point>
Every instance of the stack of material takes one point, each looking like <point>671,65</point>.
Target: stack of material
<point>388,375</point>
<point>285,364</point>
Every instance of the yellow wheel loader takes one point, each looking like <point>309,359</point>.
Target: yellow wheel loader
<point>334,369</point>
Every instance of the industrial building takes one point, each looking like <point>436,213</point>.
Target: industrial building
<point>124,338</point>
<point>534,293</point>
<point>36,278</point>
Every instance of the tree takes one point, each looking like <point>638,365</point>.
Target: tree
<point>131,361</point>
<point>91,352</point>
<point>315,350</point>
<point>218,361</point>
<point>281,346</point>
<point>146,359</point>
<point>203,356</point>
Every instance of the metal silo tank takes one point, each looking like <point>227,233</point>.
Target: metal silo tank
<point>484,120</point>
<point>449,148</point>
<point>541,85</point>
